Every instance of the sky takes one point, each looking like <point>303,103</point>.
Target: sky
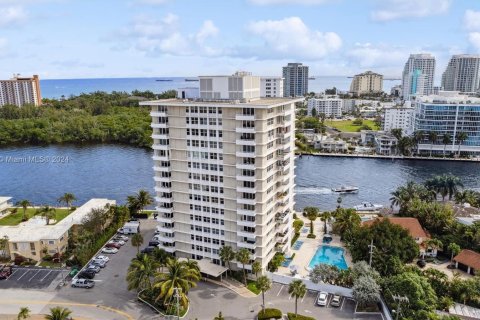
<point>149,38</point>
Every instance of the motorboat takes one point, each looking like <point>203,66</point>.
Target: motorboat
<point>345,189</point>
<point>368,206</point>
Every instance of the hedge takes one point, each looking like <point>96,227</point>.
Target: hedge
<point>291,316</point>
<point>269,314</point>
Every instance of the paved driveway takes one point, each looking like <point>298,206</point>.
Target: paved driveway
<point>33,278</point>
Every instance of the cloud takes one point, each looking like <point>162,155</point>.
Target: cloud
<point>293,2</point>
<point>12,15</point>
<point>474,38</point>
<point>164,36</point>
<point>472,20</point>
<point>367,55</point>
<point>73,63</point>
<point>291,38</point>
<point>399,9</point>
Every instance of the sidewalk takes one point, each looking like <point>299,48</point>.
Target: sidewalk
<point>235,286</point>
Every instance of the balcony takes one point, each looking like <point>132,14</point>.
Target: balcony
<point>246,178</point>
<point>244,117</point>
<point>159,125</point>
<point>165,218</point>
<point>245,142</point>
<point>161,179</point>
<point>240,130</point>
<point>164,200</point>
<point>160,146</point>
<point>163,189</point>
<point>283,156</point>
<point>158,113</point>
<point>242,154</point>
<point>166,229</point>
<point>159,136</point>
<point>164,210</point>
<point>246,201</point>
<point>164,169</point>
<point>163,238</point>
<point>160,158</point>
<point>168,249</point>
<point>247,244</point>
<point>282,227</point>
<point>242,166</point>
<point>282,248</point>
<point>247,223</point>
<point>242,233</point>
<point>282,217</point>
<point>246,212</point>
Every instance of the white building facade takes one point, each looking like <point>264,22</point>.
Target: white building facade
<point>224,171</point>
<point>451,114</point>
<point>330,106</point>
<point>398,118</point>
<point>418,76</point>
<point>462,74</point>
<point>20,91</point>
<point>271,87</point>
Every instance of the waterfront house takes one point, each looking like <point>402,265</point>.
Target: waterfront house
<point>33,240</point>
<point>329,144</point>
<point>5,204</point>
<point>416,231</point>
<point>468,261</point>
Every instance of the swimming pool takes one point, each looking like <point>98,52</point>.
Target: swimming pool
<point>329,255</point>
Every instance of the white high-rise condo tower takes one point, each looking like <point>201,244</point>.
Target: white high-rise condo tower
<point>20,91</point>
<point>418,76</point>
<point>295,80</point>
<point>224,170</point>
<point>462,74</point>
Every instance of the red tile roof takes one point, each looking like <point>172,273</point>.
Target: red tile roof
<point>469,258</point>
<point>411,224</point>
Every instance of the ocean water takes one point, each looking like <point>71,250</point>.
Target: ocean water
<point>56,88</point>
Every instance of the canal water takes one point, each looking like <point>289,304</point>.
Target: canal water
<point>42,174</point>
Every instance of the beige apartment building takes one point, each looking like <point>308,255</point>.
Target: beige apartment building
<point>20,91</point>
<point>224,170</point>
<point>367,82</point>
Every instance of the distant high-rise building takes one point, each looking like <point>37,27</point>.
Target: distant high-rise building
<point>295,77</point>
<point>418,76</point>
<point>271,87</point>
<point>20,91</point>
<point>462,73</point>
<point>224,170</point>
<point>367,82</point>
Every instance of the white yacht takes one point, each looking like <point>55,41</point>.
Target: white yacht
<point>345,189</point>
<point>368,206</point>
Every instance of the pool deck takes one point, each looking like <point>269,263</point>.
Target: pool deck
<point>309,247</point>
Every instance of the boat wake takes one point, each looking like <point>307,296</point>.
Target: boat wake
<point>313,191</point>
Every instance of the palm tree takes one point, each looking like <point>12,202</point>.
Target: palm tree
<point>68,199</point>
<point>58,313</point>
<point>137,241</point>
<point>432,138</point>
<point>346,222</point>
<point>243,256</point>
<point>141,270</point>
<point>256,268</point>
<point>447,139</point>
<point>454,249</point>
<point>263,284</point>
<point>297,289</point>
<point>48,213</point>
<point>462,197</point>
<point>143,199</point>
<point>24,204</point>
<point>179,275</point>
<point>227,254</point>
<point>219,317</point>
<point>452,185</point>
<point>23,314</point>
<point>461,137</point>
<point>311,213</point>
<point>433,244</point>
<point>160,256</point>
<point>325,217</point>
<point>417,137</point>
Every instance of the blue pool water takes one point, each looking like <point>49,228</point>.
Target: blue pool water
<point>329,255</point>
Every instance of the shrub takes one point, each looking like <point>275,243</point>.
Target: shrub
<point>311,236</point>
<point>295,237</point>
<point>269,314</point>
<point>47,258</point>
<point>291,316</point>
<point>297,225</point>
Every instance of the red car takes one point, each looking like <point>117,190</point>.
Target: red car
<point>5,272</point>
<point>113,245</point>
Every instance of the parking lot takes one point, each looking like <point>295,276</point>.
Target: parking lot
<point>33,278</point>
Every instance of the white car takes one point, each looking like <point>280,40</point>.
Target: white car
<point>93,267</point>
<point>322,298</point>
<point>102,257</point>
<point>121,237</point>
<point>83,283</point>
<point>120,242</point>
<point>109,250</point>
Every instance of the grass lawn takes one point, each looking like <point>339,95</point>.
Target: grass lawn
<point>252,286</point>
<point>15,219</point>
<point>348,126</point>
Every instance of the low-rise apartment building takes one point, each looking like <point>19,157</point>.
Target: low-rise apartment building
<point>271,87</point>
<point>399,117</point>
<point>330,106</point>
<point>5,204</point>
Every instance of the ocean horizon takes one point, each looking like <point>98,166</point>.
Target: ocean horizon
<point>58,88</point>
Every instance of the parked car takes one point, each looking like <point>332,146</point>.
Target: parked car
<point>73,271</point>
<point>113,245</point>
<point>109,250</point>
<point>86,274</point>
<point>93,267</point>
<point>83,283</point>
<point>336,300</point>
<point>153,243</point>
<point>147,250</point>
<point>102,257</point>
<point>5,272</point>
<point>322,298</point>
<point>120,242</point>
<point>121,237</point>
<point>99,262</point>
